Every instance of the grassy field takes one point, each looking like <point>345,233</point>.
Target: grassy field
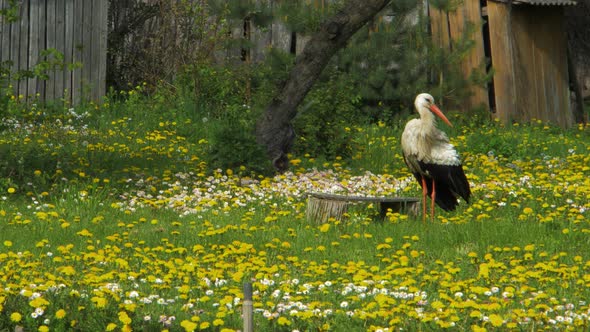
<point>112,220</point>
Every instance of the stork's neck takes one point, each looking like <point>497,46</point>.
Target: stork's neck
<point>427,121</point>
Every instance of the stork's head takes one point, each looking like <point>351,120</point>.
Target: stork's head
<point>425,103</point>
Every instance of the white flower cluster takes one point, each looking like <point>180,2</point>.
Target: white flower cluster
<point>189,194</point>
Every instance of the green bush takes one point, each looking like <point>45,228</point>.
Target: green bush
<point>323,125</point>
<point>233,146</point>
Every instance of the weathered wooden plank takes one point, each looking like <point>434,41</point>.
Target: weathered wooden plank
<point>356,198</point>
<point>466,22</point>
<point>439,23</point>
<point>41,86</point>
<point>60,11</point>
<point>33,44</point>
<point>78,55</point>
<point>435,17</point>
<point>323,206</point>
<point>261,38</point>
<point>51,22</point>
<point>502,60</point>
<point>457,31</point>
<point>3,30</point>
<point>87,69</point>
<point>91,47</point>
<point>280,36</point>
<point>527,64</point>
<point>457,21</point>
<point>11,40</point>
<point>555,81</point>
<point>10,30</point>
<point>539,67</point>
<point>69,47</point>
<point>14,48</point>
<point>101,26</point>
<point>477,57</point>
<point>23,55</point>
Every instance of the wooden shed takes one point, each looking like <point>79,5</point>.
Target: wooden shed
<point>525,43</point>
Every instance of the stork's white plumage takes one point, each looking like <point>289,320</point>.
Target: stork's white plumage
<point>433,159</point>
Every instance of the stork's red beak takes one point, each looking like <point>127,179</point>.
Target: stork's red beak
<point>440,114</point>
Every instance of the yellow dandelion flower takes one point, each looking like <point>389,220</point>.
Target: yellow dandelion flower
<point>67,270</point>
<point>43,328</point>
<point>204,325</point>
<point>130,307</point>
<point>60,314</point>
<point>16,317</point>
<point>39,302</point>
<point>403,260</point>
<point>484,271</point>
<point>184,289</point>
<point>11,190</point>
<point>188,325</point>
<point>85,233</point>
<point>325,228</point>
<point>496,320</point>
<point>8,243</point>
<point>124,318</point>
<point>283,321</point>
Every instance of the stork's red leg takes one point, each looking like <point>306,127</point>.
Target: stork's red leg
<point>424,194</point>
<point>432,200</point>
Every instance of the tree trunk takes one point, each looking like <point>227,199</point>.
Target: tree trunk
<point>274,130</point>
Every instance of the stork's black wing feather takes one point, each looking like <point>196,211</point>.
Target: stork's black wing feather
<point>450,182</point>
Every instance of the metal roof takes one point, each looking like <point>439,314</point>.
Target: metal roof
<point>542,2</point>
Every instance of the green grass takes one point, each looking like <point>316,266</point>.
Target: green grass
<point>119,223</point>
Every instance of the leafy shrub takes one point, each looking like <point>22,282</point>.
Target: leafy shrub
<point>217,100</point>
<point>323,125</point>
<point>233,146</point>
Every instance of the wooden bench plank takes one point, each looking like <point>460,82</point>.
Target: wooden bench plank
<point>322,206</point>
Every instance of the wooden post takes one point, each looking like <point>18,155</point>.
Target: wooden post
<point>247,308</point>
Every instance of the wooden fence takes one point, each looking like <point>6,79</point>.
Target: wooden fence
<point>75,28</point>
<point>448,28</point>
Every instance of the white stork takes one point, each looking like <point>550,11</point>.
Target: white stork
<point>432,159</point>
